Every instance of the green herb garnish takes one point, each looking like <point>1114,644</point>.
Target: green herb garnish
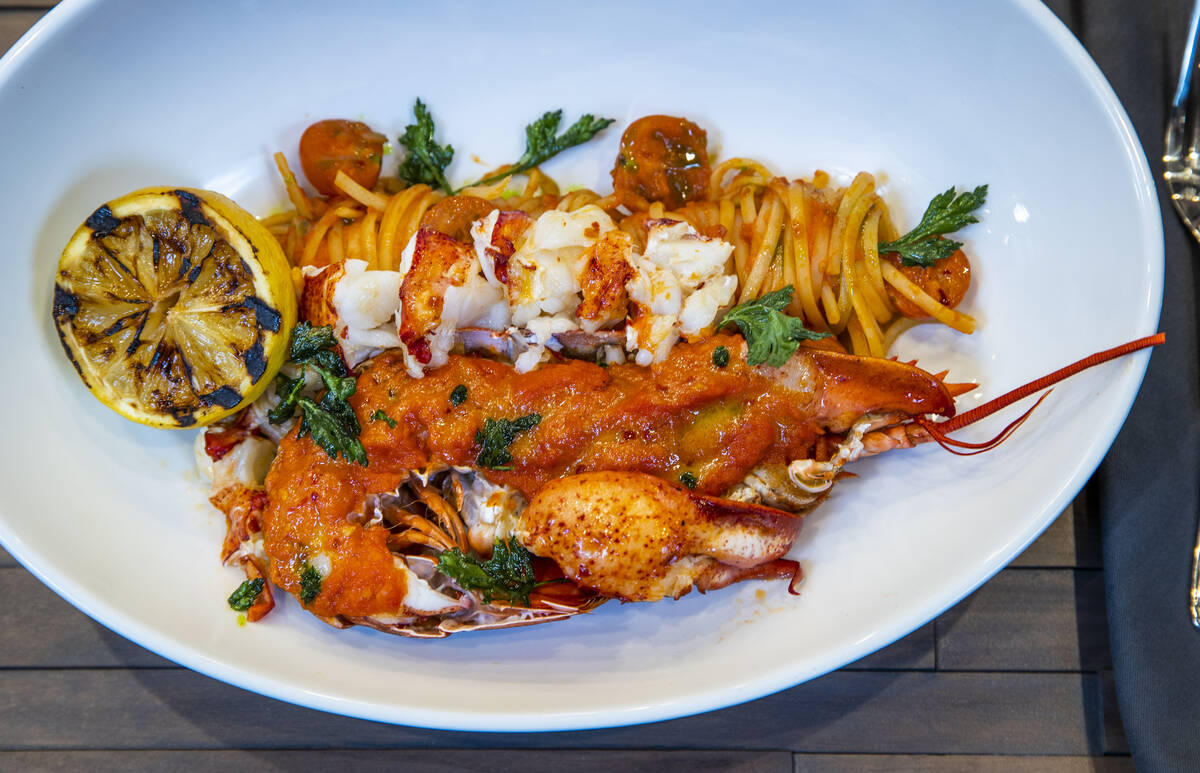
<point>771,336</point>
<point>542,141</point>
<point>688,479</point>
<point>458,395</point>
<point>720,356</point>
<point>246,594</point>
<point>497,435</point>
<point>379,415</point>
<point>426,161</point>
<point>316,346</point>
<point>310,583</point>
<point>946,213</point>
<point>507,575</point>
<point>331,422</point>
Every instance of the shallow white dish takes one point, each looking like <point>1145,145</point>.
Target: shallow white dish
<point>1068,261</point>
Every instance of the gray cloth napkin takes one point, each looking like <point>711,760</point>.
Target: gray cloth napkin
<point>1148,487</point>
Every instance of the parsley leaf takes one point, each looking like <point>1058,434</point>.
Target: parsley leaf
<point>688,479</point>
<point>331,422</point>
<point>333,427</point>
<point>946,213</point>
<point>771,336</point>
<point>542,141</point>
<point>720,356</point>
<point>246,594</point>
<point>310,583</point>
<point>458,395</point>
<point>497,435</point>
<point>308,342</point>
<point>426,161</point>
<point>507,575</point>
<point>379,415</point>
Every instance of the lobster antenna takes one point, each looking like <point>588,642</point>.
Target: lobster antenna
<point>939,431</point>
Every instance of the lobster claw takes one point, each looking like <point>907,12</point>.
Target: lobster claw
<point>636,537</point>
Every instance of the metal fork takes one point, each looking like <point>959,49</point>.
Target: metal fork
<point>1181,159</point>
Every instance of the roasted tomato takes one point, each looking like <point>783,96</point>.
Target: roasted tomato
<point>946,281</point>
<point>663,158</point>
<point>454,215</point>
<point>334,145</point>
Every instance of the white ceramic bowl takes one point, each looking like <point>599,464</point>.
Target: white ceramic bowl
<point>101,98</point>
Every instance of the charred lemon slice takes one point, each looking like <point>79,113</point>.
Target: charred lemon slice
<point>174,306</point>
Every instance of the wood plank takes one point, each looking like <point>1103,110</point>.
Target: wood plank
<point>526,761</point>
<point>953,763</point>
<point>859,712</point>
<point>1028,620</point>
<point>1072,541</point>
<point>43,631</point>
<point>915,651</point>
<point>1055,548</point>
<point>14,23</point>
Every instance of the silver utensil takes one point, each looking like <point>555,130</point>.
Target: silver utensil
<point>1181,159</point>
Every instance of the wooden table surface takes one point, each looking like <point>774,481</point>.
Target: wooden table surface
<point>1016,677</point>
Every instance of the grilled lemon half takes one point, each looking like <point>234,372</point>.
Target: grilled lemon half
<point>174,305</point>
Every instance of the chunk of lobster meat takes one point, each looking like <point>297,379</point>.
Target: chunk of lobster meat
<point>360,304</point>
<point>438,262</point>
<point>496,237</point>
<point>236,462</point>
<point>606,269</point>
<point>316,299</point>
<point>640,538</point>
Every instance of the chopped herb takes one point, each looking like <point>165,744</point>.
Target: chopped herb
<point>331,422</point>
<point>426,161</point>
<point>946,213</point>
<point>688,480</point>
<point>246,594</point>
<point>333,427</point>
<point>507,575</point>
<point>497,435</point>
<point>458,395</point>
<point>379,415</point>
<point>316,346</point>
<point>720,356</point>
<point>310,583</point>
<point>771,336</point>
<point>542,141</point>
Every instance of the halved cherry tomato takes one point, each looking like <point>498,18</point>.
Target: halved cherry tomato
<point>663,158</point>
<point>454,215</point>
<point>334,145</point>
<point>946,281</point>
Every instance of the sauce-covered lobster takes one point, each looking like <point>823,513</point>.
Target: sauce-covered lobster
<point>635,483</point>
<point>593,490</point>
